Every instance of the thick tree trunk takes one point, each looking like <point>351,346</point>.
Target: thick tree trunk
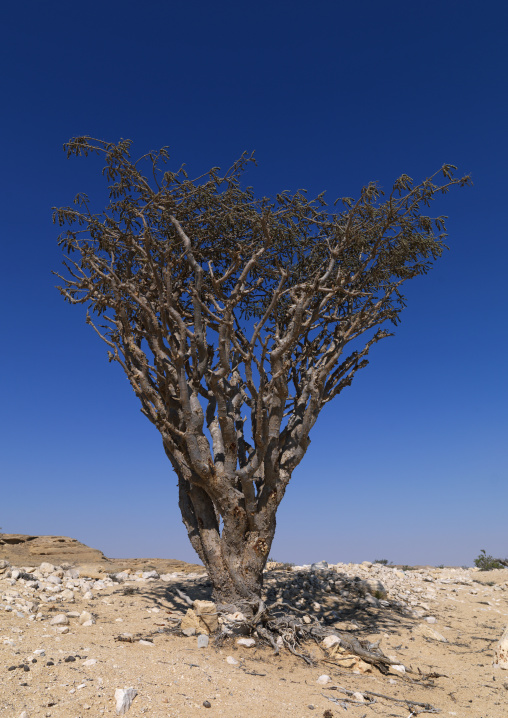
<point>233,548</point>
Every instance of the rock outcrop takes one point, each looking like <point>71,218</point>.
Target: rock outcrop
<point>26,549</point>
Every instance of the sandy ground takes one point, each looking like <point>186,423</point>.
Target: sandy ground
<point>173,677</point>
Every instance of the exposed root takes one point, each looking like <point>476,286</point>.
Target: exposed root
<point>281,625</point>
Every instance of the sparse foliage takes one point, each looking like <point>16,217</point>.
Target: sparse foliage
<point>236,320</point>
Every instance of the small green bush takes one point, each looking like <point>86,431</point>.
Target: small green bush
<point>486,563</point>
<point>383,561</point>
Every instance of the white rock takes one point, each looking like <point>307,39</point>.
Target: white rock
<point>68,595</point>
<point>86,618</point>
<point>150,574</point>
<point>232,661</point>
<point>203,641</point>
<point>146,643</point>
<point>430,619</point>
<point>323,680</point>
<point>23,714</point>
<point>90,662</point>
<point>15,574</point>
<point>398,668</point>
<point>59,620</point>
<point>358,697</point>
<point>246,642</point>
<point>39,652</point>
<point>53,579</point>
<point>46,568</point>
<point>330,641</point>
<point>501,652</point>
<point>124,698</point>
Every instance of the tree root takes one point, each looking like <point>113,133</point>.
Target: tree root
<point>292,632</point>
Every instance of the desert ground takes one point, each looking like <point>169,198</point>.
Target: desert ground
<point>76,627</point>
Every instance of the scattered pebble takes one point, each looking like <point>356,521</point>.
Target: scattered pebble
<point>323,680</point>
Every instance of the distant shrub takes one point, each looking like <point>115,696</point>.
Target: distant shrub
<point>383,561</point>
<point>441,565</point>
<point>486,563</point>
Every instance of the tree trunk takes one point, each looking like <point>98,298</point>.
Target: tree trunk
<point>233,548</point>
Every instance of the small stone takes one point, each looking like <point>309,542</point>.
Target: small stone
<point>88,595</point>
<point>12,668</point>
<point>62,629</point>
<point>203,641</point>
<point>46,568</point>
<point>425,630</point>
<point>320,565</point>
<point>358,697</point>
<point>149,574</point>
<point>323,680</point>
<point>59,620</point>
<point>124,698</point>
<point>501,652</point>
<point>246,642</point>
<point>207,704</point>
<point>84,617</point>
<point>398,668</point>
<point>90,662</point>
<point>307,619</point>
<point>430,619</point>
<point>146,643</point>
<point>191,631</point>
<point>232,661</point>
<point>330,641</point>
<point>69,659</point>
<point>55,580</point>
<point>39,652</point>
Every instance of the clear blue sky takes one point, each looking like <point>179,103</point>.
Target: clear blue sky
<point>409,464</point>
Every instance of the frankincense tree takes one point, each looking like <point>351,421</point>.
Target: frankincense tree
<point>236,320</point>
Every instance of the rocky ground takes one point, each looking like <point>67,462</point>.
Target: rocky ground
<point>75,636</point>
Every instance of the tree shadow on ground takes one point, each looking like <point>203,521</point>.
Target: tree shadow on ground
<point>347,615</point>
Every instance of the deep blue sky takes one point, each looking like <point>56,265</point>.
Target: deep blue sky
<point>408,464</point>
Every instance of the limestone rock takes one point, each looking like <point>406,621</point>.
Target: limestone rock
<point>124,698</point>
<point>330,641</point>
<point>190,620</point>
<point>501,652</point>
<point>246,642</point>
<point>206,611</point>
<point>203,641</point>
<point>423,629</point>
<point>59,620</point>
<point>323,680</point>
<point>86,619</point>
